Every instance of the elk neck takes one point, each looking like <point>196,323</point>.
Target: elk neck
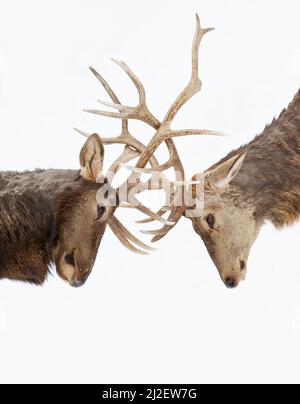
<point>49,181</point>
<point>270,176</point>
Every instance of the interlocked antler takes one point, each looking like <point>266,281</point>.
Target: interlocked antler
<point>133,148</point>
<point>164,133</point>
<point>140,112</point>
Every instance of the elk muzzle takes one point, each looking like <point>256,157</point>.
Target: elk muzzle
<point>81,270</point>
<point>232,279</point>
<point>72,268</point>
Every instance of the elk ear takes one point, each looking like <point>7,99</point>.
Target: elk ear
<point>224,173</point>
<point>91,158</point>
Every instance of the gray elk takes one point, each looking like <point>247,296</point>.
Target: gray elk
<point>256,183</point>
<point>59,216</point>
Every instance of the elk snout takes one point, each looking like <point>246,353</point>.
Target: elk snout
<point>239,274</point>
<point>231,283</point>
<point>80,272</point>
<point>78,283</point>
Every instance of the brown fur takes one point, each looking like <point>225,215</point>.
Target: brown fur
<point>258,182</point>
<point>270,175</point>
<point>35,207</point>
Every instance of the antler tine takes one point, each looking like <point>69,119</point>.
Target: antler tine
<point>136,81</point>
<point>127,155</point>
<point>195,83</point>
<point>111,94</point>
<point>126,137</point>
<point>160,233</point>
<point>161,212</point>
<point>113,224</point>
<point>140,112</point>
<point>139,206</point>
<point>118,227</point>
<point>82,132</point>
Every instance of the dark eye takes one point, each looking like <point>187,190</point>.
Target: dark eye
<point>210,221</point>
<point>100,211</point>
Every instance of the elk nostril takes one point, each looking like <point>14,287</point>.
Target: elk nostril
<point>70,259</point>
<point>230,283</point>
<point>243,265</point>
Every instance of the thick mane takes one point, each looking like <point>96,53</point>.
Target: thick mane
<point>270,175</point>
<point>27,234</point>
<point>284,127</point>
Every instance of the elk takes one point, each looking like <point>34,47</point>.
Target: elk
<point>256,183</point>
<point>59,216</point>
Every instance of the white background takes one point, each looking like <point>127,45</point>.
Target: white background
<point>167,317</point>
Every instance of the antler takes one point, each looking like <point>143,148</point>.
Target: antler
<point>133,148</point>
<point>164,133</point>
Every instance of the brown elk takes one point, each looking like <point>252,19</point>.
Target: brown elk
<point>256,183</point>
<point>259,182</point>
<point>59,216</point>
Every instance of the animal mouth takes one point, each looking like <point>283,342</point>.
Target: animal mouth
<point>78,284</point>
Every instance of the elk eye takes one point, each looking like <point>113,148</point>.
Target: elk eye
<point>100,211</point>
<point>210,221</point>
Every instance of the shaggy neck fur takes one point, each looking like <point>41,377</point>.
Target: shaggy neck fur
<point>270,176</point>
<point>31,204</point>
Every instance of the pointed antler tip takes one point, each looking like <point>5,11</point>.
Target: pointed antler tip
<point>94,71</point>
<point>155,239</point>
<point>198,22</point>
<point>81,132</point>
